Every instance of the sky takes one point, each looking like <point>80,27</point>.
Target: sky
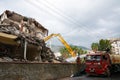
<point>80,22</point>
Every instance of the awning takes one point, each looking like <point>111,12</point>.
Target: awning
<point>8,39</point>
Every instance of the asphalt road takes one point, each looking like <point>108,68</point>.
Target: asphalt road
<point>115,76</point>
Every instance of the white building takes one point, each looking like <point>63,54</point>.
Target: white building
<point>115,45</point>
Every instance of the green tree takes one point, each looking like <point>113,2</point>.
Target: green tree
<point>64,52</point>
<point>76,49</point>
<point>104,44</point>
<point>95,46</point>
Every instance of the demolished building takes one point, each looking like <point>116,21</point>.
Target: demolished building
<point>21,39</point>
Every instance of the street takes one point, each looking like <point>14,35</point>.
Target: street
<point>115,76</point>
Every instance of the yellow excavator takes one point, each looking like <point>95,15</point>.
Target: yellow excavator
<point>62,41</point>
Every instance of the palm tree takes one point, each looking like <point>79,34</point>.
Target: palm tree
<point>66,54</point>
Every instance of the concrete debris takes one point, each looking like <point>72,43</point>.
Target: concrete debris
<point>26,29</point>
<point>23,24</point>
<point>61,59</point>
<point>6,59</point>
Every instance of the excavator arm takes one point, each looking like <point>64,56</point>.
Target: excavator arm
<point>62,41</point>
<point>50,36</point>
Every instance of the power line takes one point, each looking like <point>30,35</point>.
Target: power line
<point>69,19</point>
<point>58,11</point>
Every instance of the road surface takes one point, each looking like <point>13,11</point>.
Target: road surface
<point>115,76</point>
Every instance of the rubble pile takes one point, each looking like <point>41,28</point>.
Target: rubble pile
<point>32,39</point>
<point>26,29</point>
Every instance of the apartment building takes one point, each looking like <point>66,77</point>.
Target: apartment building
<point>115,45</point>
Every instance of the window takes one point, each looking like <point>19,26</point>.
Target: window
<point>93,58</point>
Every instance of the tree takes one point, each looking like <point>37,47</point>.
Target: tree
<point>95,46</point>
<point>103,45</point>
<point>66,54</point>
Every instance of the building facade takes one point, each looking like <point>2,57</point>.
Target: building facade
<point>115,43</point>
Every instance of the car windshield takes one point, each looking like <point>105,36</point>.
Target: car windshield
<point>93,58</point>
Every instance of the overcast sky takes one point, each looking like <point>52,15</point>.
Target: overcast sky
<point>80,22</point>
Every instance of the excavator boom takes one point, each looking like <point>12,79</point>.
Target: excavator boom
<point>62,41</point>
